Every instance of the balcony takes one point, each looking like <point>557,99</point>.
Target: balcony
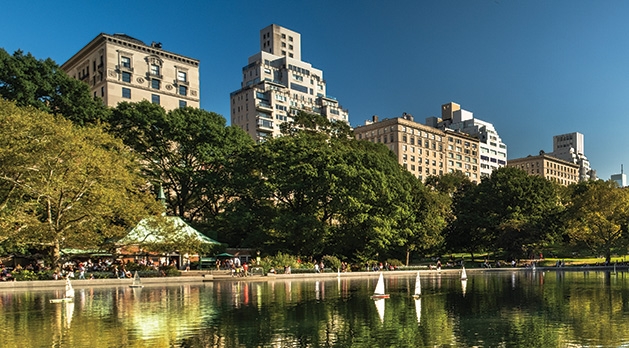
<point>264,124</point>
<point>264,106</point>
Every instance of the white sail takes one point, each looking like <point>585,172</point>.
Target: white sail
<point>463,274</point>
<point>69,289</point>
<point>418,309</point>
<point>463,286</point>
<point>380,286</point>
<point>137,282</point>
<point>418,286</point>
<point>380,308</point>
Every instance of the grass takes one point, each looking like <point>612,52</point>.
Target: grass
<point>546,262</point>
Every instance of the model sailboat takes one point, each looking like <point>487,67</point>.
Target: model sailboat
<point>418,287</point>
<point>137,282</point>
<point>68,295</point>
<point>379,291</point>
<point>463,274</point>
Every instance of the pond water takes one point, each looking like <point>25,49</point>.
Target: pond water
<point>492,309</point>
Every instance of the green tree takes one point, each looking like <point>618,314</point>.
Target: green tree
<point>65,187</point>
<point>509,211</point>
<point>598,215</point>
<point>42,84</point>
<point>317,191</point>
<point>188,150</point>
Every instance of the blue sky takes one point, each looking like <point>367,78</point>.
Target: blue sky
<point>533,68</point>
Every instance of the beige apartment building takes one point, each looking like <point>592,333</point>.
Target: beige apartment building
<point>121,68</point>
<point>549,167</point>
<point>277,85</point>
<point>423,150</point>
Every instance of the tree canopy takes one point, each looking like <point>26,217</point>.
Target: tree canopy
<point>62,186</point>
<point>318,191</point>
<point>187,150</point>
<point>509,211</point>
<point>43,85</point>
<point>598,216</point>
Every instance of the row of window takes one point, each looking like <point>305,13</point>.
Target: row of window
<point>155,83</point>
<point>155,98</point>
<point>154,69</point>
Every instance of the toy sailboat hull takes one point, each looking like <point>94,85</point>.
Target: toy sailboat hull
<point>62,300</point>
<point>380,296</point>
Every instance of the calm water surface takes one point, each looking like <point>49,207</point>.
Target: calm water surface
<point>492,309</point>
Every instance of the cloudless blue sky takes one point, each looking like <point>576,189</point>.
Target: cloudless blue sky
<point>532,68</point>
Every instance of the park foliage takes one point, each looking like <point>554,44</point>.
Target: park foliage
<point>76,174</point>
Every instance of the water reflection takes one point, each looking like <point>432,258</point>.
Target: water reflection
<point>515,309</point>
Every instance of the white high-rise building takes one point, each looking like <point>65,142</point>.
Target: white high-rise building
<point>493,152</point>
<point>570,147</point>
<point>277,84</point>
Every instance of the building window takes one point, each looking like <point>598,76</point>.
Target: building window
<point>154,69</point>
<point>102,91</point>
<point>126,93</point>
<point>155,99</point>
<point>155,83</point>
<point>182,76</point>
<point>183,90</point>
<point>126,76</point>
<point>183,103</point>
<point>125,62</point>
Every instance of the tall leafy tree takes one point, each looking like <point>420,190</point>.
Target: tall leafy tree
<point>42,84</point>
<point>509,211</point>
<point>187,150</point>
<point>598,216</point>
<point>323,192</point>
<point>62,186</point>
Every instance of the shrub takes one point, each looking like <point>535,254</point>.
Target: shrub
<point>25,274</point>
<point>395,262</point>
<point>281,260</point>
<point>169,271</point>
<point>331,262</point>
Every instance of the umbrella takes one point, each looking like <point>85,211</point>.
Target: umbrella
<point>224,255</point>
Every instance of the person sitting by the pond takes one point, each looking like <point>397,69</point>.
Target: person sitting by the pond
<point>5,275</point>
<point>272,270</point>
<point>316,266</point>
<point>286,269</point>
<point>245,269</point>
<point>438,265</point>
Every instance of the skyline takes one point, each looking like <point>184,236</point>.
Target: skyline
<point>533,69</point>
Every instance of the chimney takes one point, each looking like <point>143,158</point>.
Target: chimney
<point>374,118</point>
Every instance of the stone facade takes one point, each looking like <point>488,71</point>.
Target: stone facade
<point>120,68</point>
